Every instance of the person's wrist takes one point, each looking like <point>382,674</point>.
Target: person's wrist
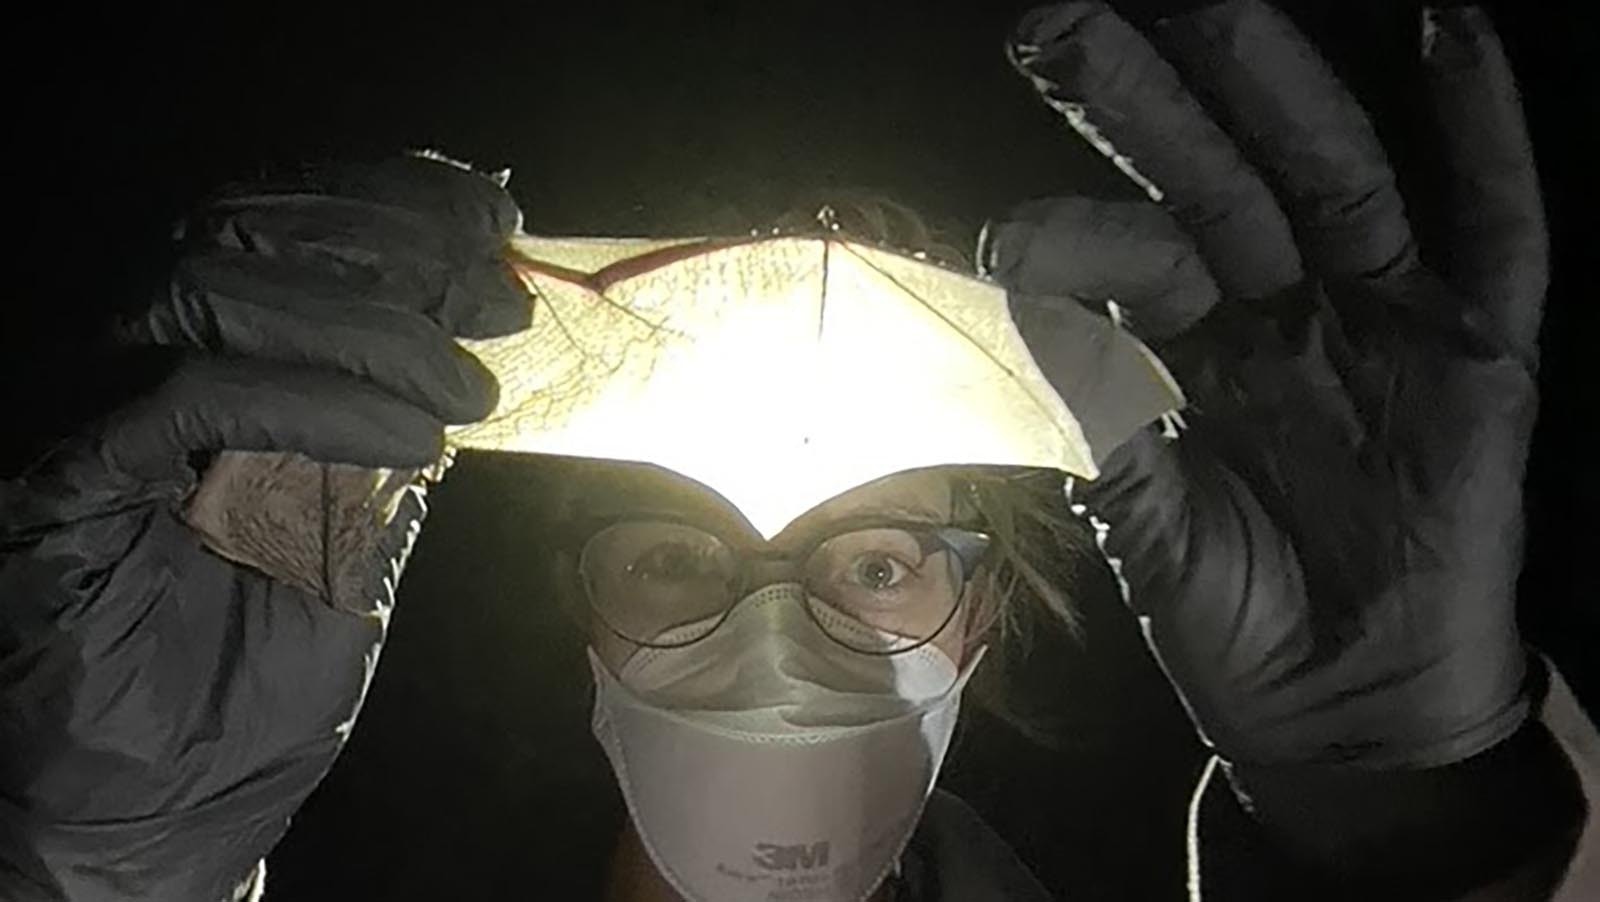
<point>1420,833</point>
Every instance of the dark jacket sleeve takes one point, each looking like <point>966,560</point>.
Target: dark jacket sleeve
<point>1513,824</point>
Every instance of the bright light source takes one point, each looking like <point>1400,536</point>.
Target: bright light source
<point>783,371</point>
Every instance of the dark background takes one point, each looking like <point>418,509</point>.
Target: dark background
<point>472,774</point>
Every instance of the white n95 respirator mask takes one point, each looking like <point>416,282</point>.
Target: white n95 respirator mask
<point>766,763</point>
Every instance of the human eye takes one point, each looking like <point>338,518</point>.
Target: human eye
<point>872,565</point>
<point>878,571</point>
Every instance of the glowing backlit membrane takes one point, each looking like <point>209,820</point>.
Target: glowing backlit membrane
<point>783,371</point>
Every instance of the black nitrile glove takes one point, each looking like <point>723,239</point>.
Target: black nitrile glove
<point>1325,561</point>
<point>163,710</point>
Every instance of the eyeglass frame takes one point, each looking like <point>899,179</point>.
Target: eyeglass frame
<point>970,547</point>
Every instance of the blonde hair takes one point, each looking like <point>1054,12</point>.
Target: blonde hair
<point>1024,586</point>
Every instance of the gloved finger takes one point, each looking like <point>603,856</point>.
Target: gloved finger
<point>509,304</point>
<point>1495,248</point>
<point>1175,524</point>
<point>445,194</point>
<point>215,403</point>
<point>464,286</point>
<point>248,306</point>
<point>1140,507</point>
<point>1114,88</point>
<point>439,188</point>
<point>1270,89</point>
<point>1132,254</point>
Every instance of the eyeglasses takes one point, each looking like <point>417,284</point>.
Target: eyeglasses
<point>646,578</point>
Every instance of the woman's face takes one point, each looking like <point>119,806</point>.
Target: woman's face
<point>921,496</point>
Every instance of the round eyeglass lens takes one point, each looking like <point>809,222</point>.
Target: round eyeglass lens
<point>658,583</point>
<point>883,589</point>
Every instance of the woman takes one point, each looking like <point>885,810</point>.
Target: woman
<point>812,681</point>
<point>1322,564</point>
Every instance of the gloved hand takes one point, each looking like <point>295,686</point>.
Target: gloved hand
<point>163,710</point>
<point>1325,561</point>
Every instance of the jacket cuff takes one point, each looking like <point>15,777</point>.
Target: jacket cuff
<point>1431,833</point>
